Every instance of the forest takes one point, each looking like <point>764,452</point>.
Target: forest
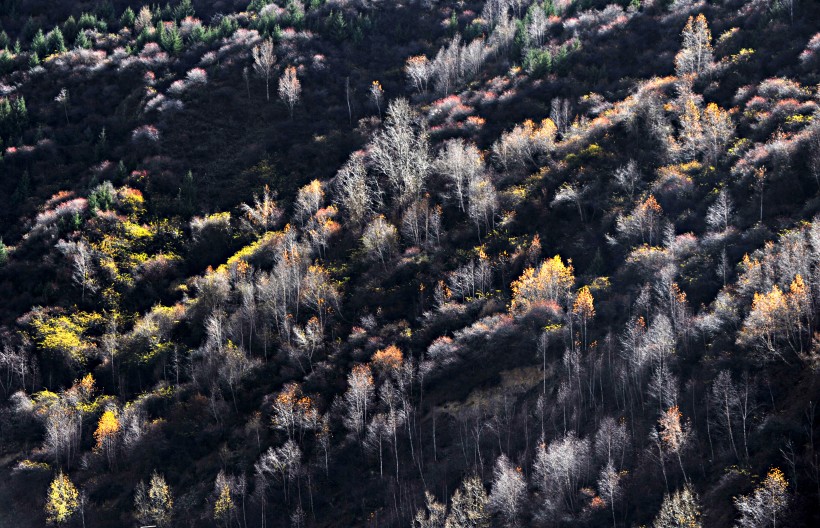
<point>410,263</point>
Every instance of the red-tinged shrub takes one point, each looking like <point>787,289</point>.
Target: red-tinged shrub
<point>811,55</point>
<point>145,133</point>
<point>196,77</point>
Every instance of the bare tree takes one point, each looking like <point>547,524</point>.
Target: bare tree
<point>378,432</point>
<point>695,56</point>
<point>421,223</point>
<point>721,213</point>
<point>663,387</point>
<point>154,504</point>
<point>401,153</point>
<point>472,58</point>
<point>609,487</point>
<point>628,177</point>
<point>433,514</point>
<point>63,98</point>
<point>482,202</point>
<point>264,215</point>
<point>355,191</point>
<point>612,442</point>
<point>521,146</point>
<point>308,340</point>
<point>380,239</point>
<point>718,129</point>
<point>508,492</point>
<point>308,201</point>
<point>537,29</point>
<point>290,89</point>
<point>82,264</point>
<point>814,152</point>
<point>144,20</point>
<point>724,400</point>
<point>419,72</point>
<point>377,95</point>
<point>264,59</point>
<point>319,292</point>
<point>447,66</point>
<point>558,471</point>
<point>358,398</point>
<point>282,464</point>
<point>570,193</point>
<point>561,113</point>
<point>460,162</point>
<point>15,367</point>
<point>644,224</point>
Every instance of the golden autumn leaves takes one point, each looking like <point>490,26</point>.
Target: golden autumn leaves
<point>550,282</point>
<point>63,499</point>
<point>778,318</point>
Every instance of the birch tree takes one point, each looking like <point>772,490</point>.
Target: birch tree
<point>508,492</point>
<point>264,59</point>
<point>695,56</point>
<point>400,152</point>
<point>767,505</point>
<point>460,163</point>
<point>355,191</point>
<point>290,89</point>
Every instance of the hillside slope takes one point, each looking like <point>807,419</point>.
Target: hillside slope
<point>425,263</point>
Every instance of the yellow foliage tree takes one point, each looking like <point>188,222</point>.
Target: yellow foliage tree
<point>550,282</point>
<point>224,506</point>
<point>717,130</point>
<point>63,499</point>
<point>765,505</point>
<point>154,504</point>
<point>86,387</point>
<point>780,320</point>
<point>107,434</point>
<point>584,309</point>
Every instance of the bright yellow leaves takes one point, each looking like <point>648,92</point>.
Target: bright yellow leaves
<point>778,318</point>
<point>776,482</point>
<point>131,201</point>
<point>86,387</point>
<point>107,429</point>
<point>107,434</point>
<point>63,499</point>
<point>549,283</point>
<point>543,132</point>
<point>584,306</point>
<point>768,501</point>
<point>224,506</point>
<point>64,334</point>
